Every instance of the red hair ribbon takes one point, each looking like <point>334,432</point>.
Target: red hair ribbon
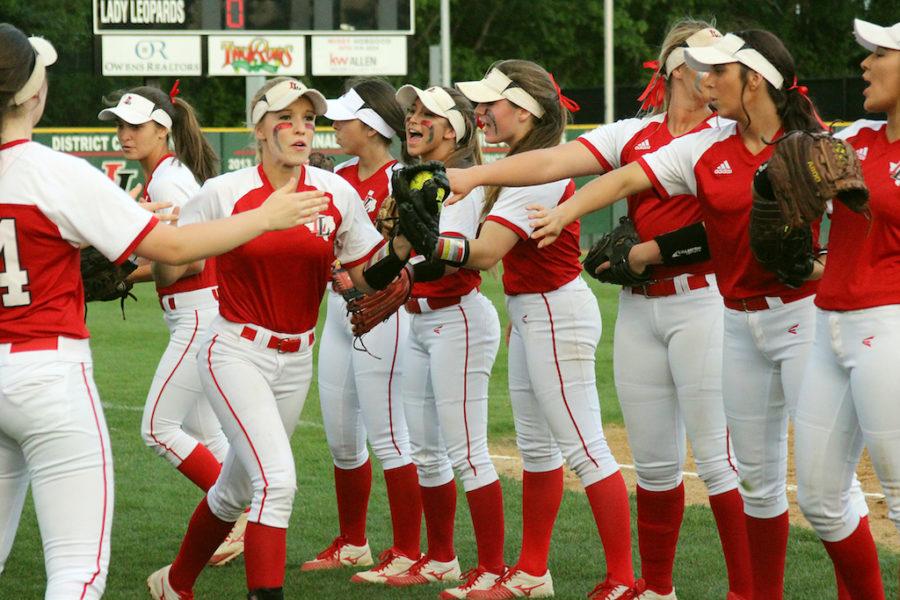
<point>174,91</point>
<point>804,91</point>
<point>654,95</point>
<point>565,101</point>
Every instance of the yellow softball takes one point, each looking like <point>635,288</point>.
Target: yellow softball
<point>419,180</point>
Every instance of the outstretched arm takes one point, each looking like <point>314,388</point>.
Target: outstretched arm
<point>600,193</point>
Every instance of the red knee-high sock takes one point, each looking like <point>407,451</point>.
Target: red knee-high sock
<point>439,504</point>
<point>843,592</point>
<point>659,516</point>
<point>486,507</point>
<point>541,496</point>
<point>768,547</point>
<point>728,509</point>
<point>405,501</point>
<point>204,534</point>
<point>857,560</point>
<point>352,487</point>
<point>265,556</point>
<point>201,467</point>
<point>612,513</point>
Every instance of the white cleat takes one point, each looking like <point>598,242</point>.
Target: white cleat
<point>338,555</point>
<point>426,570</point>
<point>516,583</point>
<point>390,563</point>
<point>160,589</point>
<point>233,546</point>
<point>642,593</point>
<point>473,580</point>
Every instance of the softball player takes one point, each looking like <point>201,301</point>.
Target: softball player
<point>52,431</point>
<point>768,326</point>
<point>178,421</point>
<point>447,361</point>
<point>257,365</point>
<point>668,340</point>
<point>851,385</point>
<point>553,314</point>
<point>359,391</point>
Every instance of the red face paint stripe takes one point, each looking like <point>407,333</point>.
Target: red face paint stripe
<point>280,126</point>
<point>466,394</point>
<point>166,383</point>
<point>562,386</point>
<point>391,386</point>
<point>87,386</point>
<point>241,425</point>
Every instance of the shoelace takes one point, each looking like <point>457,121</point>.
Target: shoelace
<point>506,576</point>
<point>385,559</point>
<point>417,566</point>
<point>608,586</point>
<point>331,550</point>
<point>471,577</point>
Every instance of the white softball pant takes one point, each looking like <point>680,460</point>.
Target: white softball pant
<point>849,400</point>
<point>446,371</point>
<point>360,391</point>
<point>667,357</point>
<point>53,435</point>
<point>552,381</point>
<point>177,414</point>
<point>258,394</point>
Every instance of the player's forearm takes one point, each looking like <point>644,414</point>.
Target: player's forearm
<point>190,243</point>
<point>141,274</point>
<point>165,275</point>
<point>483,255</point>
<point>605,191</point>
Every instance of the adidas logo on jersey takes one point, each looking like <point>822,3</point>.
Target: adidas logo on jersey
<point>862,153</point>
<point>894,170</point>
<point>723,169</point>
<point>645,145</point>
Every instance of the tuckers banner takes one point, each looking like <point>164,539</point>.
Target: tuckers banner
<point>269,55</point>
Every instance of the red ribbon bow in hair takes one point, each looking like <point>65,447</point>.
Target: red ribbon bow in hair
<point>568,103</point>
<point>655,93</point>
<point>804,91</point>
<point>174,91</point>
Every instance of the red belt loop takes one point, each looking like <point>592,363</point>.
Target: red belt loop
<point>171,303</point>
<point>667,287</point>
<point>35,345</point>
<point>413,306</point>
<point>248,333</point>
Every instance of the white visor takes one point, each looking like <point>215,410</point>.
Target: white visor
<point>729,49</point>
<point>351,106</point>
<point>45,55</point>
<point>496,85</point>
<point>871,36</point>
<point>136,110</point>
<point>283,95</point>
<point>699,39</point>
<point>437,100</point>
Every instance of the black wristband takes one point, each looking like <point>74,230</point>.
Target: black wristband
<point>379,274</point>
<point>685,246</point>
<point>427,270</point>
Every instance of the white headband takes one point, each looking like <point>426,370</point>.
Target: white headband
<point>282,95</point>
<point>729,49</point>
<point>496,85</point>
<point>136,110</point>
<point>437,100</point>
<point>704,37</point>
<point>45,55</point>
<point>871,36</point>
<point>352,106</point>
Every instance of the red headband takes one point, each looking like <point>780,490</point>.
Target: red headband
<point>570,104</point>
<point>174,91</point>
<point>654,95</point>
<point>804,91</point>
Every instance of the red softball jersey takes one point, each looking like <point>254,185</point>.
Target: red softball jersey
<point>171,181</point>
<point>460,220</point>
<point>863,268</point>
<point>277,279</point>
<point>50,205</point>
<point>372,190</point>
<point>715,166</point>
<point>625,141</point>
<point>528,269</point>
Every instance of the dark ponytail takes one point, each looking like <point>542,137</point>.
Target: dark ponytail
<point>17,59</point>
<point>796,111</point>
<point>191,148</point>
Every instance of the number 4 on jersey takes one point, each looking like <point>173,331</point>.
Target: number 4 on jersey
<point>13,278</point>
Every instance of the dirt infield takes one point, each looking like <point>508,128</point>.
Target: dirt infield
<point>508,463</point>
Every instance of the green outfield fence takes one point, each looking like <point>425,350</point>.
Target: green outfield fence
<point>100,147</point>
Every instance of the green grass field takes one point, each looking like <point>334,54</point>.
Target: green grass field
<point>154,502</point>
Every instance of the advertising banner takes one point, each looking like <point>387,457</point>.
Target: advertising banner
<point>151,56</point>
<point>347,55</point>
<point>269,55</point>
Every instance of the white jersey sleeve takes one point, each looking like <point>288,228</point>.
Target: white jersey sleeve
<point>462,219</point>
<point>510,209</point>
<point>217,197</point>
<point>172,182</point>
<point>855,127</point>
<point>606,142</point>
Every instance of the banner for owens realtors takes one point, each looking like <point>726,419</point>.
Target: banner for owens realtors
<point>268,55</point>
